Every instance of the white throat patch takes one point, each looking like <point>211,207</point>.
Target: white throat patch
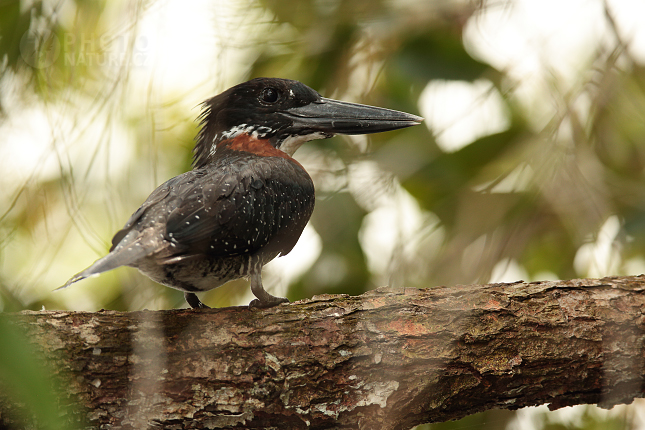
<point>292,143</point>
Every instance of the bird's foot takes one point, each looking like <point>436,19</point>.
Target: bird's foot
<point>194,302</point>
<point>269,303</point>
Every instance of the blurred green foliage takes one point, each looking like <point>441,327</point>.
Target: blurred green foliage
<point>28,381</point>
<point>588,420</point>
<point>583,165</point>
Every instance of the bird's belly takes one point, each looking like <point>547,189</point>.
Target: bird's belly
<point>201,273</point>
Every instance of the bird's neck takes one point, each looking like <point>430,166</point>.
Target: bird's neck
<point>212,140</point>
<point>237,140</point>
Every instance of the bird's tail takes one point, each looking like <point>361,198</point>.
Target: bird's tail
<point>120,256</point>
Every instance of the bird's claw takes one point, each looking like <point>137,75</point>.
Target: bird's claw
<point>194,302</point>
<point>274,301</point>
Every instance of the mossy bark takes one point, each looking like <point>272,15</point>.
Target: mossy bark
<point>389,359</point>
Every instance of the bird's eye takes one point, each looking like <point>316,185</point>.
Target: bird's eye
<point>269,95</point>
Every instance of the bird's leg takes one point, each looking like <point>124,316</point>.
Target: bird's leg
<point>194,301</point>
<point>264,299</point>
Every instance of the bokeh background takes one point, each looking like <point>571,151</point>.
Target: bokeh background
<point>530,164</point>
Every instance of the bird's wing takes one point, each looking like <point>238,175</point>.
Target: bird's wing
<point>153,199</point>
<point>242,208</point>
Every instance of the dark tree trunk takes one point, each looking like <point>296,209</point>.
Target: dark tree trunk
<point>389,359</point>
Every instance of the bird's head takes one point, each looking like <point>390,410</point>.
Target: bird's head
<point>287,113</point>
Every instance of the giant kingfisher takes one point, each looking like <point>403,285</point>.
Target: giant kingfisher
<point>246,200</point>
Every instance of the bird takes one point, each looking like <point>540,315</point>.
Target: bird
<point>246,200</point>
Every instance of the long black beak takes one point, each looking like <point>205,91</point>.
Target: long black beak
<point>335,117</point>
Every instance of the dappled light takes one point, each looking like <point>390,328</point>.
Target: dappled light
<point>530,164</point>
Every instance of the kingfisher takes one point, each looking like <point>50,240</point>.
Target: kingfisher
<point>246,199</point>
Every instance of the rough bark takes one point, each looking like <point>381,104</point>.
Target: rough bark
<point>389,359</point>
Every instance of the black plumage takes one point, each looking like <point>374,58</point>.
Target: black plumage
<point>247,200</point>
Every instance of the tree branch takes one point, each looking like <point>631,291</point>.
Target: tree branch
<point>389,359</point>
